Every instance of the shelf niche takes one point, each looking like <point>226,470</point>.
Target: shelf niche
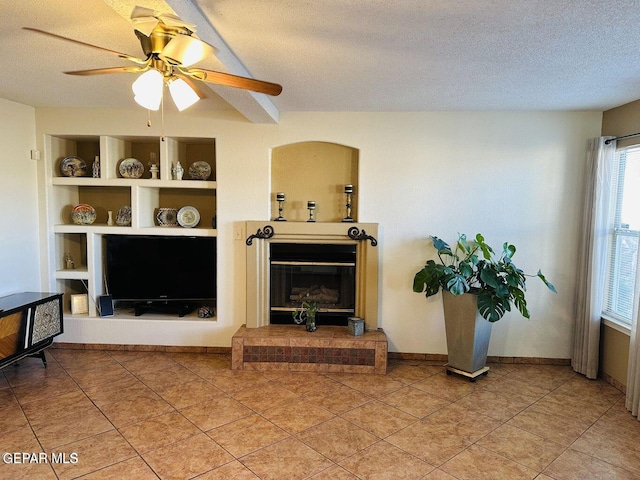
<point>86,148</point>
<point>74,244</point>
<point>103,200</point>
<point>315,171</point>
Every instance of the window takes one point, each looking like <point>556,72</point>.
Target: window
<point>623,241</point>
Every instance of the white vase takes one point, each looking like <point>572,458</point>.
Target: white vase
<point>178,171</point>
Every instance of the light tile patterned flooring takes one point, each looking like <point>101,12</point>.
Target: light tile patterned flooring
<point>143,415</point>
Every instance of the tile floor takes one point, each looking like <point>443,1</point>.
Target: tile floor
<point>143,415</point>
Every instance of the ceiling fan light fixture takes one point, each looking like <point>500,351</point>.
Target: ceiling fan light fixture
<point>182,94</point>
<point>186,50</point>
<point>147,89</point>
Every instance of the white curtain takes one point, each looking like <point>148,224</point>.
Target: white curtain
<point>633,371</point>
<point>592,256</point>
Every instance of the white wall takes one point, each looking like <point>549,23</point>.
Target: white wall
<point>19,250</point>
<point>514,177</point>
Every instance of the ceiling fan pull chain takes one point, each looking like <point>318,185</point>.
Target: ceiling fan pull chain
<point>162,137</point>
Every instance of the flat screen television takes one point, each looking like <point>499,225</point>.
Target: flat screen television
<point>155,268</point>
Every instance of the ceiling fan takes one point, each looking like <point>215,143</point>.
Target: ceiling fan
<point>170,47</point>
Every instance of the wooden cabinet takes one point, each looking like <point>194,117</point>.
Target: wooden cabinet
<point>28,323</point>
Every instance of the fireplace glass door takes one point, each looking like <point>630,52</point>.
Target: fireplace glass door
<point>315,273</point>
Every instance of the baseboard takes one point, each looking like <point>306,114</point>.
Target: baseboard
<point>423,357</point>
<point>613,382</point>
<point>141,348</point>
<point>442,358</point>
<point>428,357</point>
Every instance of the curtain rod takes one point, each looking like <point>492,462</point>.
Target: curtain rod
<point>607,142</point>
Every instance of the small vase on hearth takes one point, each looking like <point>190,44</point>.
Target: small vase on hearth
<point>306,314</point>
<point>311,323</point>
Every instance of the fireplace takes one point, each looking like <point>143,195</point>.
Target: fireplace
<point>332,264</point>
<point>324,274</point>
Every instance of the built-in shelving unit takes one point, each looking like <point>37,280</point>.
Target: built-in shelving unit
<point>110,192</point>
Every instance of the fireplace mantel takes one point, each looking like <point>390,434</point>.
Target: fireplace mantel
<point>262,233</point>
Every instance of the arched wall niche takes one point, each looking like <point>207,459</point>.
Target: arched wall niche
<point>316,171</point>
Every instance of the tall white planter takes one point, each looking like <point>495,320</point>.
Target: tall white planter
<point>468,335</point>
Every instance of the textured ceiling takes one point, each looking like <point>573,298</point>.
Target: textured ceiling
<point>347,55</point>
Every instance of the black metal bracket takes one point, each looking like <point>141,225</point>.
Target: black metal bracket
<point>354,233</point>
<point>266,232</point>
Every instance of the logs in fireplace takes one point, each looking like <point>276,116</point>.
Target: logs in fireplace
<point>316,294</point>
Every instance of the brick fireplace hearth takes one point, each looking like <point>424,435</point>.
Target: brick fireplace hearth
<point>328,349</point>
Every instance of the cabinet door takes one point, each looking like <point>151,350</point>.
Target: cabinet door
<point>47,321</point>
<point>10,334</point>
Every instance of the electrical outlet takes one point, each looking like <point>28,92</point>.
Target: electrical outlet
<point>35,154</point>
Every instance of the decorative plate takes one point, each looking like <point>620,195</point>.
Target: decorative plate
<point>200,171</point>
<point>131,168</point>
<point>83,214</point>
<point>73,167</point>
<point>188,217</point>
<point>123,217</point>
<point>167,217</point>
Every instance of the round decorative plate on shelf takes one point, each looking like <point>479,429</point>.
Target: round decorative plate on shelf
<point>188,217</point>
<point>131,168</point>
<point>200,171</point>
<point>83,214</point>
<point>73,167</point>
<point>167,217</point>
<point>123,217</point>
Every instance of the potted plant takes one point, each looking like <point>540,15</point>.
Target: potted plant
<point>478,289</point>
<point>306,314</point>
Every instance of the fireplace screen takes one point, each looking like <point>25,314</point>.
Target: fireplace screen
<point>319,273</point>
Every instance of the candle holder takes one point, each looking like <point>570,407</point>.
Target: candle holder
<point>348,190</point>
<point>280,198</point>
<point>311,206</point>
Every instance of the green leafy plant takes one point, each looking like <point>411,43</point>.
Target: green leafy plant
<point>306,314</point>
<point>473,268</point>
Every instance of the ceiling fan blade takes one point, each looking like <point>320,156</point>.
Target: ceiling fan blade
<point>84,44</point>
<point>194,85</point>
<point>234,81</point>
<point>101,71</point>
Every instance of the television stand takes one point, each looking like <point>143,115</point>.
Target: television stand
<point>181,308</point>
